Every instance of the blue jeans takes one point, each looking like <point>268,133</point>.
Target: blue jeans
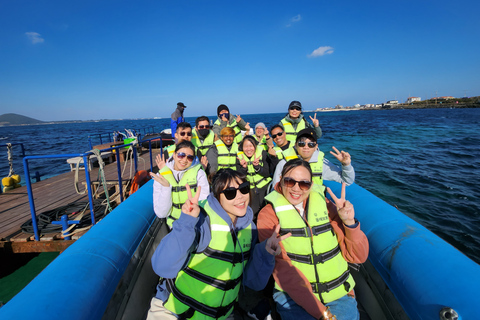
<point>344,308</point>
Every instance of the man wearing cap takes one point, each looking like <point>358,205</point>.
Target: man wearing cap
<point>262,136</point>
<point>225,119</point>
<point>177,117</point>
<point>322,169</point>
<point>294,121</point>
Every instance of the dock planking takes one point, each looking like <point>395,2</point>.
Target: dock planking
<point>50,194</point>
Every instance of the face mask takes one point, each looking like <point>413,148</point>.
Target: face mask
<point>203,132</point>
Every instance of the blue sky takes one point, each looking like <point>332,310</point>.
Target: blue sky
<point>62,60</point>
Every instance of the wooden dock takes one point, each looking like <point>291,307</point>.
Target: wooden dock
<point>50,194</point>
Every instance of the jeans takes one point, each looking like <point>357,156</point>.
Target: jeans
<point>344,308</point>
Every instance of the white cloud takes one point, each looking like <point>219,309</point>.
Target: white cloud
<point>34,37</point>
<point>294,20</point>
<point>321,51</point>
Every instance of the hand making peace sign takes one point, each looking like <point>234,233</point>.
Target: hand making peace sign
<point>344,207</point>
<point>190,206</point>
<point>242,161</point>
<point>314,120</point>
<point>256,160</point>
<point>343,157</point>
<point>273,243</point>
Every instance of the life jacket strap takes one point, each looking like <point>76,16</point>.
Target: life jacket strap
<point>314,258</point>
<point>233,257</point>
<point>317,174</point>
<point>183,188</point>
<point>319,287</point>
<point>197,306</point>
<point>219,284</point>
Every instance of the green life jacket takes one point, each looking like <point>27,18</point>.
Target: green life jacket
<point>313,248</point>
<point>203,147</point>
<point>291,133</point>
<point>226,158</point>
<point>207,288</point>
<point>262,142</point>
<point>256,180</point>
<point>170,149</point>
<point>236,128</point>
<point>179,191</point>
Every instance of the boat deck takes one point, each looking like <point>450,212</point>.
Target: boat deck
<point>50,194</point>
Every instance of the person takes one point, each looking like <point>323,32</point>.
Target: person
<point>306,149</point>
<point>262,136</point>
<point>253,162</point>
<point>169,191</point>
<point>276,152</point>
<point>177,117</point>
<point>183,133</point>
<point>294,122</point>
<point>225,119</point>
<point>223,153</point>
<point>210,253</point>
<point>311,274</point>
<point>202,136</point>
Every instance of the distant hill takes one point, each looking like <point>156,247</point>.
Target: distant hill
<point>11,119</point>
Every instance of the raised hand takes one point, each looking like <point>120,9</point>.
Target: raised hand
<point>256,160</point>
<point>160,161</point>
<point>314,120</point>
<point>273,243</point>
<point>271,151</point>
<point>344,207</point>
<point>242,161</point>
<point>190,206</point>
<point>223,118</point>
<point>247,128</point>
<point>238,118</point>
<point>204,162</point>
<point>342,156</point>
<point>160,179</point>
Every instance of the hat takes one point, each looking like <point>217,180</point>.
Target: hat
<point>222,107</point>
<point>295,104</point>
<point>260,124</point>
<point>307,132</point>
<point>180,104</point>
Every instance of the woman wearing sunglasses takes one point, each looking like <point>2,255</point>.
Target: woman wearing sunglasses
<point>223,153</point>
<point>211,251</point>
<point>294,121</point>
<point>311,273</point>
<point>253,161</point>
<point>169,192</point>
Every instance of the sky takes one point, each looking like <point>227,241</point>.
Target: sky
<point>89,60</point>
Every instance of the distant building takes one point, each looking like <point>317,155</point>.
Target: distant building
<point>338,106</point>
<point>392,102</point>
<point>413,99</point>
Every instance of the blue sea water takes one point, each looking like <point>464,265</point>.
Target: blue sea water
<point>426,162</point>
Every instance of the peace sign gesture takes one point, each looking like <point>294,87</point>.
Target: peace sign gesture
<point>273,243</point>
<point>343,157</point>
<point>190,206</point>
<point>160,161</point>
<point>314,120</point>
<point>242,161</point>
<point>344,207</point>
<point>256,160</point>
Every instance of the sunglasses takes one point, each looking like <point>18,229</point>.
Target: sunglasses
<point>295,108</point>
<point>181,155</point>
<point>204,126</point>
<point>183,133</point>
<point>224,115</point>
<point>277,135</point>
<point>290,183</point>
<point>302,144</point>
<point>231,193</point>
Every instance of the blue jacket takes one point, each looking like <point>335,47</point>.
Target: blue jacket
<point>173,252</point>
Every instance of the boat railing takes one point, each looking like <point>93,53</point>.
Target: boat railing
<point>108,136</point>
<point>86,158</point>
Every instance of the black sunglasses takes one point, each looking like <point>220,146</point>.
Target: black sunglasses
<point>231,193</point>
<point>302,144</point>
<point>295,108</point>
<point>204,126</point>
<point>278,134</point>
<point>181,155</point>
<point>290,183</point>
<point>183,133</point>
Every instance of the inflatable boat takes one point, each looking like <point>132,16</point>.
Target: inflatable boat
<point>410,274</point>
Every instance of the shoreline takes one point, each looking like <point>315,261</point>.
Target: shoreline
<point>404,106</point>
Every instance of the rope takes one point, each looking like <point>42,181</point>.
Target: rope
<point>10,159</point>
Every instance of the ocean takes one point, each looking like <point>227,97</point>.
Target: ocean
<point>425,162</point>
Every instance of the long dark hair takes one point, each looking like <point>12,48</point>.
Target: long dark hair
<point>223,178</point>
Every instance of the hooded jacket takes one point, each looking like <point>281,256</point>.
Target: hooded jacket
<point>295,123</point>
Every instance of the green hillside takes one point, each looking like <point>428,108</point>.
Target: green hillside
<point>10,119</point>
